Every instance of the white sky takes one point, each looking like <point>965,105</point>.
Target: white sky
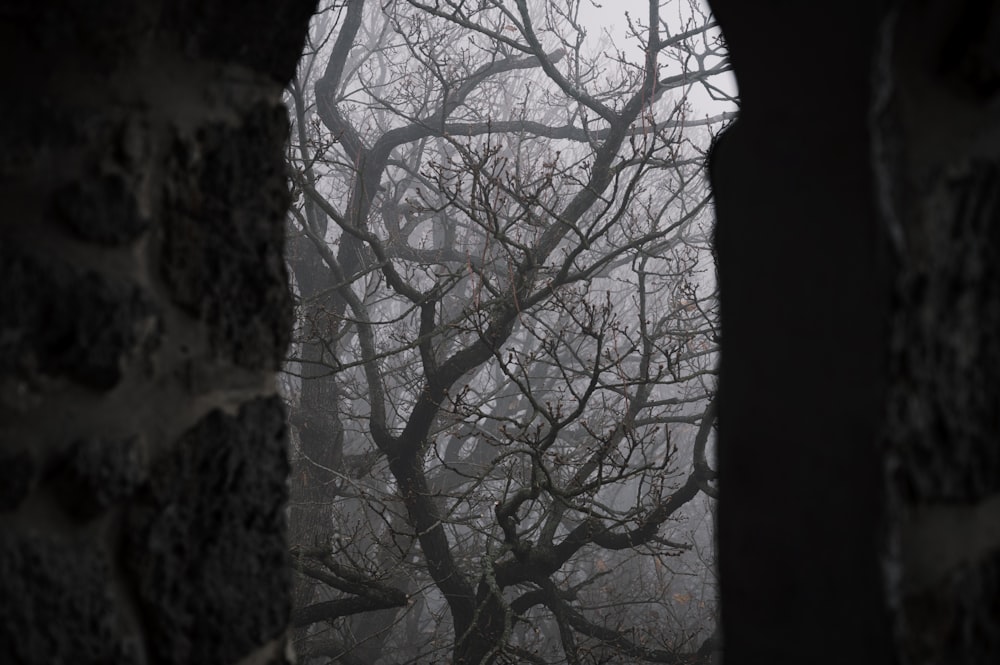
<point>609,15</point>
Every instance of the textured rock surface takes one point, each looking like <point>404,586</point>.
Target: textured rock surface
<point>941,167</point>
<point>58,606</point>
<point>262,35</point>
<point>102,210</point>
<point>216,497</point>
<point>17,475</point>
<point>88,330</point>
<point>220,236</point>
<point>98,473</point>
<point>143,309</point>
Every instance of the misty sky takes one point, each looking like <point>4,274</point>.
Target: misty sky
<point>610,16</point>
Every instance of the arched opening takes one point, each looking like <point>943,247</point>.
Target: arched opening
<point>502,382</point>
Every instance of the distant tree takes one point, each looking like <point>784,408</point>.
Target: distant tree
<point>502,385</point>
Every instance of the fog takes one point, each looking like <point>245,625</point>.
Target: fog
<point>502,381</point>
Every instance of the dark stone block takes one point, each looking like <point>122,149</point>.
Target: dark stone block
<point>101,35</point>
<point>260,35</point>
<point>100,473</point>
<point>56,605</point>
<point>205,544</point>
<point>800,269</point>
<point>222,250</point>
<point>58,321</point>
<point>18,471</point>
<point>945,352</point>
<point>958,620</point>
<point>101,209</point>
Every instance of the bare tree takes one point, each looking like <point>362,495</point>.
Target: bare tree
<point>502,386</point>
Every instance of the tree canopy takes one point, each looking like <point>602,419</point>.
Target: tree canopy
<point>502,382</point>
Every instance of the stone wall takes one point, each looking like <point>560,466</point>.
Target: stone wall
<point>144,309</point>
<point>938,163</point>
<point>859,253</point>
<point>143,312</point>
<point>803,287</point>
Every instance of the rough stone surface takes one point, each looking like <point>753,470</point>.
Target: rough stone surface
<point>217,497</point>
<point>941,129</point>
<point>100,473</point>
<point>18,471</point>
<point>111,206</point>
<point>943,622</point>
<point>257,34</point>
<point>143,193</point>
<point>946,359</point>
<point>88,330</point>
<point>56,606</point>
<point>103,210</point>
<point>108,34</point>
<point>223,235</point>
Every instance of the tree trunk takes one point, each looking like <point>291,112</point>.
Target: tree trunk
<point>478,642</point>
